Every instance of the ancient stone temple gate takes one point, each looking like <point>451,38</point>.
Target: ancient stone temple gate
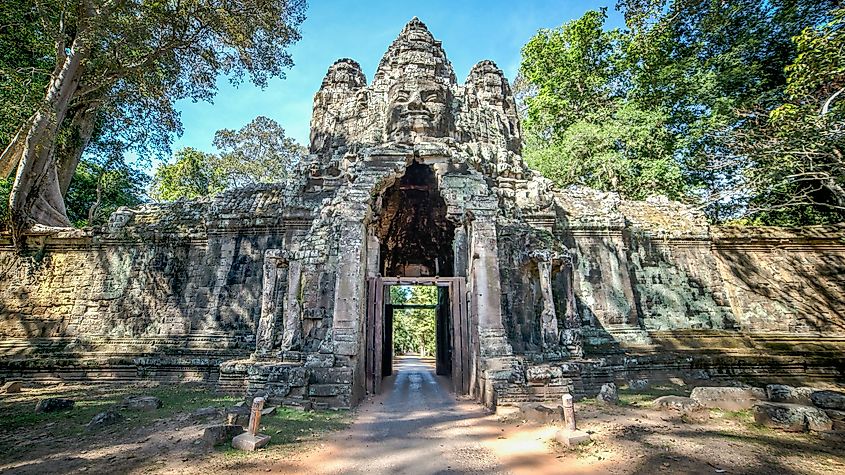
<point>414,178</point>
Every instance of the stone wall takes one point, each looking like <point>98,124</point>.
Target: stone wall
<point>174,287</point>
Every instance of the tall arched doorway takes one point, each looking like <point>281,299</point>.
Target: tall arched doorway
<point>416,248</point>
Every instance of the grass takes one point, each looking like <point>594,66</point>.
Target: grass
<point>20,414</point>
<point>289,427</point>
<point>628,397</point>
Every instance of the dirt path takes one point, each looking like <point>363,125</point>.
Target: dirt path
<point>417,426</point>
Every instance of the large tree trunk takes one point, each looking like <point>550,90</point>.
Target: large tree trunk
<point>36,196</point>
<point>68,156</point>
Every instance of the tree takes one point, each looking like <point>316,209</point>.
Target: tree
<point>691,100</point>
<point>191,175</point>
<point>257,153</point>
<point>414,329</point>
<point>116,55</point>
<point>581,127</point>
<point>715,69</point>
<point>796,171</point>
<point>98,189</point>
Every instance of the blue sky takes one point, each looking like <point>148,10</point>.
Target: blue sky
<point>362,30</point>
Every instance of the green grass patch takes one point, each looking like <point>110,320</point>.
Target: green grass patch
<point>20,415</point>
<point>289,427</point>
<point>628,397</point>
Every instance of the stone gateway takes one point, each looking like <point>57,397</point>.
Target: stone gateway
<point>282,291</point>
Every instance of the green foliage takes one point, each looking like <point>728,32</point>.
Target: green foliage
<point>715,102</point>
<point>257,153</point>
<point>26,56</point>
<point>5,190</point>
<point>581,127</point>
<point>97,190</point>
<point>190,175</point>
<point>414,329</point>
<point>139,58</point>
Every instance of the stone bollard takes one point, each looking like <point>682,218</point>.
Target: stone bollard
<point>251,439</point>
<point>569,412</point>
<point>570,435</point>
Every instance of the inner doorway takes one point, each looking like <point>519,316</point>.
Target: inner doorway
<point>455,342</point>
<point>417,322</point>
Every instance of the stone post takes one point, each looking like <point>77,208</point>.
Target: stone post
<point>570,435</point>
<point>255,415</point>
<point>251,439</point>
<point>487,289</point>
<point>569,412</point>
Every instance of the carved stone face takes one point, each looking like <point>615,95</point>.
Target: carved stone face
<point>417,108</point>
<point>491,89</point>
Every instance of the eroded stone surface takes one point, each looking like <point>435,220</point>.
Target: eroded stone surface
<point>728,398</point>
<point>791,417</point>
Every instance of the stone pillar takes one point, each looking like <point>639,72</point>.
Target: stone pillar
<point>373,255</point>
<point>265,334</point>
<point>548,318</point>
<point>292,335</point>
<point>486,288</point>
<point>350,291</point>
<point>459,248</point>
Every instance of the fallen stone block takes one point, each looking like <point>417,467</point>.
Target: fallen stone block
<point>638,384</point>
<point>791,417</point>
<point>104,419</point>
<point>608,394</point>
<point>571,438</point>
<point>677,403</point>
<point>54,404</point>
<point>205,412</point>
<point>728,398</point>
<point>267,411</point>
<point>237,415</point>
<point>789,394</point>
<point>250,442</point>
<point>541,414</point>
<point>838,418</point>
<point>829,400</point>
<point>141,403</point>
<point>221,434</point>
<point>11,387</point>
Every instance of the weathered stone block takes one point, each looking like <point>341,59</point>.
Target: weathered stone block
<point>829,400</point>
<point>324,390</point>
<point>331,376</point>
<point>608,394</point>
<point>54,405</point>
<point>249,442</point>
<point>791,417</point>
<point>728,398</point>
<point>789,394</point>
<point>103,419</point>
<point>221,434</point>
<point>677,403</point>
<point>11,387</point>
<point>141,403</point>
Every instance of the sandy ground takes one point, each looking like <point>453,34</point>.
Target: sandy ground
<point>417,426</point>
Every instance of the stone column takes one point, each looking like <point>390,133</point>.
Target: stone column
<point>265,334</point>
<point>459,248</point>
<point>293,308</point>
<point>350,290</point>
<point>486,288</point>
<point>548,318</point>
